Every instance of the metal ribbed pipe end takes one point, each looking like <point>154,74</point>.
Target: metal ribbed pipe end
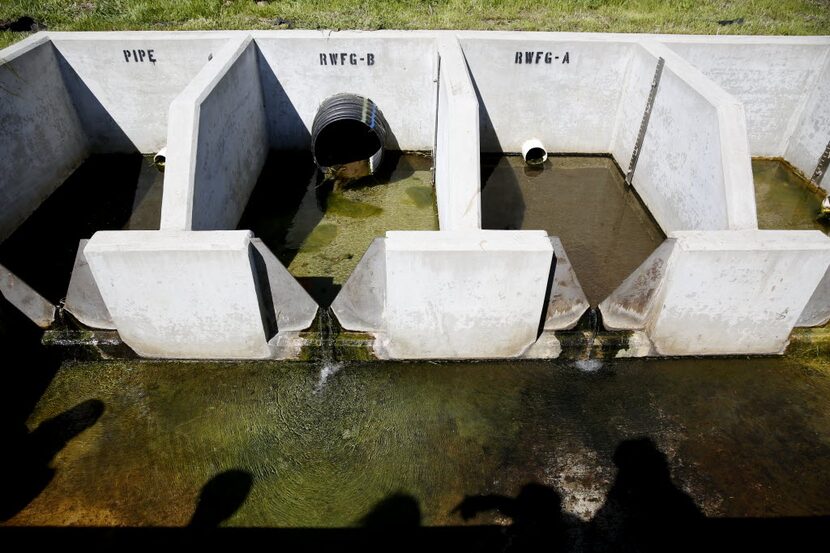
<point>348,128</point>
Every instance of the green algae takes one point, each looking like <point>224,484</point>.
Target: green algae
<point>421,196</point>
<point>742,437</point>
<point>320,237</point>
<point>319,234</point>
<point>338,204</point>
<point>784,200</point>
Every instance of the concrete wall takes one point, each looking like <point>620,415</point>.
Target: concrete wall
<point>570,107</point>
<point>182,294</point>
<point>396,70</point>
<point>771,76</point>
<point>812,132</point>
<point>122,101</point>
<point>41,138</point>
<point>714,293</point>
<point>694,170</point>
<point>217,143</point>
<point>464,294</point>
<point>457,148</point>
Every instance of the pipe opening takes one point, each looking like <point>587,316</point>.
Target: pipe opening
<point>534,152</point>
<point>160,159</point>
<point>536,156</point>
<point>345,141</point>
<point>349,130</point>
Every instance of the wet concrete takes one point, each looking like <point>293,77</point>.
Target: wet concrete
<point>719,438</point>
<point>604,227</point>
<point>107,192</point>
<point>784,200</point>
<point>320,233</point>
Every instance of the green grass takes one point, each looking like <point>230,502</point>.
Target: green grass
<point>779,17</point>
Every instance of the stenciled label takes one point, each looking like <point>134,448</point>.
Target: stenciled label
<point>346,58</point>
<point>537,57</point>
<point>139,56</point>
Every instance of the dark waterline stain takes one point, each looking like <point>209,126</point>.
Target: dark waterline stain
<point>605,229</point>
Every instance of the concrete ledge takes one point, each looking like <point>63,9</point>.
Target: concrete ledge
<point>817,312</point>
<point>457,149</point>
<point>83,299</point>
<point>36,308</point>
<point>464,294</point>
<point>567,299</point>
<point>736,292</point>
<point>360,304</point>
<point>181,294</point>
<point>630,305</point>
<point>285,301</point>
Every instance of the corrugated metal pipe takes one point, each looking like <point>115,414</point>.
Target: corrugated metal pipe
<point>534,152</point>
<point>348,128</point>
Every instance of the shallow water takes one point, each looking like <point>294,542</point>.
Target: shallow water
<point>784,200</point>
<point>605,229</point>
<point>107,192</point>
<point>320,234</point>
<point>738,438</point>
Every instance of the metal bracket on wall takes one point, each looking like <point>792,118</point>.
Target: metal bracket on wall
<point>821,168</point>
<point>635,155</point>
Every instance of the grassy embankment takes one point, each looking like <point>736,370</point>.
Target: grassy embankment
<point>760,17</point>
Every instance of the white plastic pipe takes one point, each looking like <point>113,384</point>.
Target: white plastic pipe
<point>160,158</point>
<point>534,152</point>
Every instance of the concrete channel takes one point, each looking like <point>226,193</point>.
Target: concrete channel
<point>679,118</point>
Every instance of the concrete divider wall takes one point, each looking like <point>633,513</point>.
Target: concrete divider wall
<point>771,76</point>
<point>41,137</point>
<point>123,83</point>
<point>396,70</point>
<point>694,169</point>
<point>457,148</point>
<point>183,294</point>
<point>715,293</point>
<point>217,143</point>
<point>561,89</point>
<point>812,132</point>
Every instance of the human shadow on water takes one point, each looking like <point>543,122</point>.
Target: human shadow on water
<point>644,510</point>
<point>221,497</point>
<point>397,511</point>
<point>538,521</point>
<point>25,463</point>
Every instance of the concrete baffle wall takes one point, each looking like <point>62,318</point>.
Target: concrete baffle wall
<point>717,293</point>
<point>457,149</point>
<point>41,137</point>
<point>217,143</point>
<point>812,133</point>
<point>694,170</point>
<point>190,294</point>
